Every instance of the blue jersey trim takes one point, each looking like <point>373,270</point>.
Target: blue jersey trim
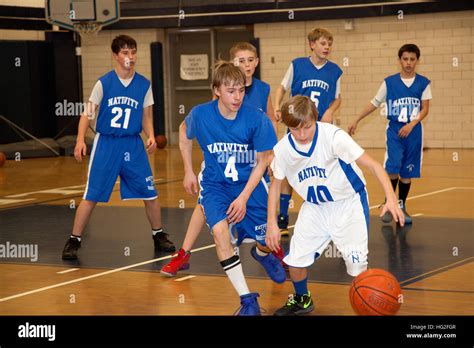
<point>313,144</point>
<point>358,186</point>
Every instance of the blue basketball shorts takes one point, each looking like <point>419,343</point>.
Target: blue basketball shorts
<point>404,156</point>
<point>126,157</point>
<point>216,199</point>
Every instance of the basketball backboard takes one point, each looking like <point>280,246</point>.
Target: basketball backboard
<point>75,14</point>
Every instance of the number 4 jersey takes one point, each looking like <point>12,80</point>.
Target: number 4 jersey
<point>121,105</point>
<point>230,146</point>
<point>327,171</point>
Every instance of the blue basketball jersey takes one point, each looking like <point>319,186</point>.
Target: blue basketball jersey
<point>404,103</point>
<point>318,84</point>
<point>257,94</point>
<point>230,146</point>
<point>121,108</point>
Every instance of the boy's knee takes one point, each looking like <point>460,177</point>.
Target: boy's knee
<point>220,233</point>
<point>151,202</point>
<point>88,203</point>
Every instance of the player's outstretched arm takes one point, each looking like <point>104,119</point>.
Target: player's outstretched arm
<point>186,146</point>
<point>368,109</point>
<point>238,207</point>
<point>377,170</point>
<point>328,114</point>
<point>279,94</point>
<point>81,148</point>
<point>273,235</point>
<point>147,125</point>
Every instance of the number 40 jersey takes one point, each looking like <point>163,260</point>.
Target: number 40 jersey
<point>327,172</point>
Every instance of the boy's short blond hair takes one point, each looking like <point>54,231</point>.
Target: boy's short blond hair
<point>226,73</point>
<point>298,110</point>
<point>242,46</point>
<point>318,33</point>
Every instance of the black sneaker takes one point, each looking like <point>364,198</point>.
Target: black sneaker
<point>162,243</point>
<point>283,224</point>
<point>296,305</point>
<point>70,249</point>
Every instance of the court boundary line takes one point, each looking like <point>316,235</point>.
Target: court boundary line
<point>436,271</point>
<point>442,290</point>
<point>72,195</point>
<point>77,280</point>
<point>408,281</point>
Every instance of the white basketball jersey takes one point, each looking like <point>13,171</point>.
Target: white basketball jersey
<point>327,172</point>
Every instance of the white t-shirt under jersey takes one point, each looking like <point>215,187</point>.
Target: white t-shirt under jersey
<point>97,93</point>
<point>321,167</point>
<point>382,92</point>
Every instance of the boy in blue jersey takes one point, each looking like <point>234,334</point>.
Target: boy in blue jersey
<point>124,99</point>
<point>319,79</point>
<point>236,140</point>
<point>407,95</point>
<point>257,93</point>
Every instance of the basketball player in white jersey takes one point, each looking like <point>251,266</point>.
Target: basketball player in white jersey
<point>320,161</point>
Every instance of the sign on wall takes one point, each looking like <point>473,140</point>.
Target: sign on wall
<point>194,67</point>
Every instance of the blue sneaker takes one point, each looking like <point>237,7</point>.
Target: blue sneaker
<point>272,266</point>
<point>249,304</point>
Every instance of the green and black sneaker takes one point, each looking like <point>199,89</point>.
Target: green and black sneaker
<point>296,305</point>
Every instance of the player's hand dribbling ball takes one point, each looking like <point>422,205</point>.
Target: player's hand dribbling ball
<point>375,292</point>
<point>3,159</point>
<point>161,141</point>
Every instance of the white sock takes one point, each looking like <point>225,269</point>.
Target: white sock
<point>233,269</point>
<point>160,230</point>
<point>76,237</point>
<point>261,253</point>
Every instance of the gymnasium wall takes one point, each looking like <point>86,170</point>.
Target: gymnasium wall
<point>371,52</point>
<point>24,3</point>
<point>371,48</point>
<point>22,34</point>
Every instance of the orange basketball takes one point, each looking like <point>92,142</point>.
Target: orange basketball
<point>3,159</point>
<point>375,292</point>
<point>161,141</point>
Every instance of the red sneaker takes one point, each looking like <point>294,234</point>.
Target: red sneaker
<point>280,255</point>
<point>179,262</point>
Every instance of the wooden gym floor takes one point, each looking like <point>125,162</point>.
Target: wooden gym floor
<point>433,259</point>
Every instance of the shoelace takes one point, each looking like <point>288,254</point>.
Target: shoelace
<point>291,301</point>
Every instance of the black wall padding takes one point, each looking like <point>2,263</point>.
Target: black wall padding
<point>256,43</point>
<point>27,88</point>
<point>157,85</point>
<point>66,76</point>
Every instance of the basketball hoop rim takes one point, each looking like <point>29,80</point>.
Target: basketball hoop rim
<point>87,28</point>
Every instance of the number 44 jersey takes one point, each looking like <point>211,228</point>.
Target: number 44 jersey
<point>230,147</point>
<point>327,172</point>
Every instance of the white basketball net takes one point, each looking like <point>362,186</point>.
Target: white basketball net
<point>87,29</point>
